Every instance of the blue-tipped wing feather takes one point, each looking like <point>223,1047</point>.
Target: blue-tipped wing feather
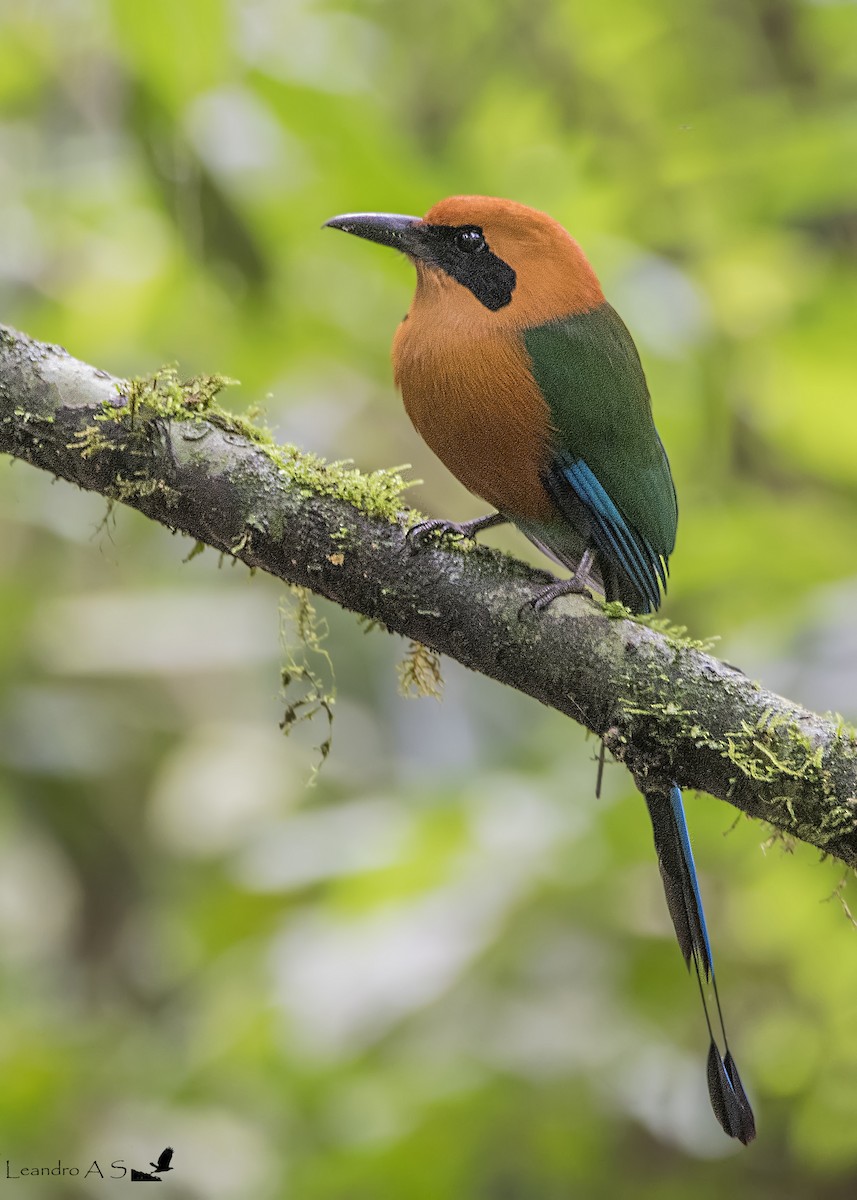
<point>612,535</point>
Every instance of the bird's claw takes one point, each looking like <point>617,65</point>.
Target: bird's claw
<point>546,597</point>
<point>465,529</point>
<point>417,534</point>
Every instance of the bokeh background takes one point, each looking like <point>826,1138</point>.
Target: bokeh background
<point>438,968</point>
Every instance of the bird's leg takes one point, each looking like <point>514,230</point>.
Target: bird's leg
<point>466,529</point>
<point>576,586</point>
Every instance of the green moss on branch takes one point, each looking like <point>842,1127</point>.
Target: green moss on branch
<point>163,396</point>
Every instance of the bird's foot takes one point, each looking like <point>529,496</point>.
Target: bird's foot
<point>417,534</point>
<point>565,587</point>
<point>546,597</point>
<point>576,586</point>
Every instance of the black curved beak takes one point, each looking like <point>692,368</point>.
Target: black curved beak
<point>387,229</point>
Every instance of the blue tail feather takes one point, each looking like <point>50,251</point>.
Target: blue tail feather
<point>680,820</point>
<point>681,887</point>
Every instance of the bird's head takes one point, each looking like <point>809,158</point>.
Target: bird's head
<point>492,259</point>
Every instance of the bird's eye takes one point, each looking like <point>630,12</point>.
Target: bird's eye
<point>469,240</point>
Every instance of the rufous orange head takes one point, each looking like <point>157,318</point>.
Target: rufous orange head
<point>487,260</point>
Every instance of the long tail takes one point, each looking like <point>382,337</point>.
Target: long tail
<point>675,857</point>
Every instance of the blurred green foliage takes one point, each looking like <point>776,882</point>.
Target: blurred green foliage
<point>446,970</point>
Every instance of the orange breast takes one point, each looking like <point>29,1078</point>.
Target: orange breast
<point>469,392</point>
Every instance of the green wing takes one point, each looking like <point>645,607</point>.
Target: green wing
<point>609,475</point>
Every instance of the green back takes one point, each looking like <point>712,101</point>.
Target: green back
<point>588,370</point>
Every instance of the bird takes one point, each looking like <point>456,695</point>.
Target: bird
<point>527,385</point>
<point>163,1163</point>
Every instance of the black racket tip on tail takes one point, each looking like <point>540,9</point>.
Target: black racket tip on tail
<point>728,1098</point>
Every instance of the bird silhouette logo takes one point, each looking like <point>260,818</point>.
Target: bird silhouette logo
<point>158,1168</point>
<point>163,1163</point>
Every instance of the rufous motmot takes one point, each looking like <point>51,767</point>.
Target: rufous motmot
<point>527,385</point>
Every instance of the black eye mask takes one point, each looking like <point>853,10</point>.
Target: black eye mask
<point>462,252</point>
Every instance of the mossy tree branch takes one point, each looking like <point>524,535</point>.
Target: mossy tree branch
<point>664,707</point>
